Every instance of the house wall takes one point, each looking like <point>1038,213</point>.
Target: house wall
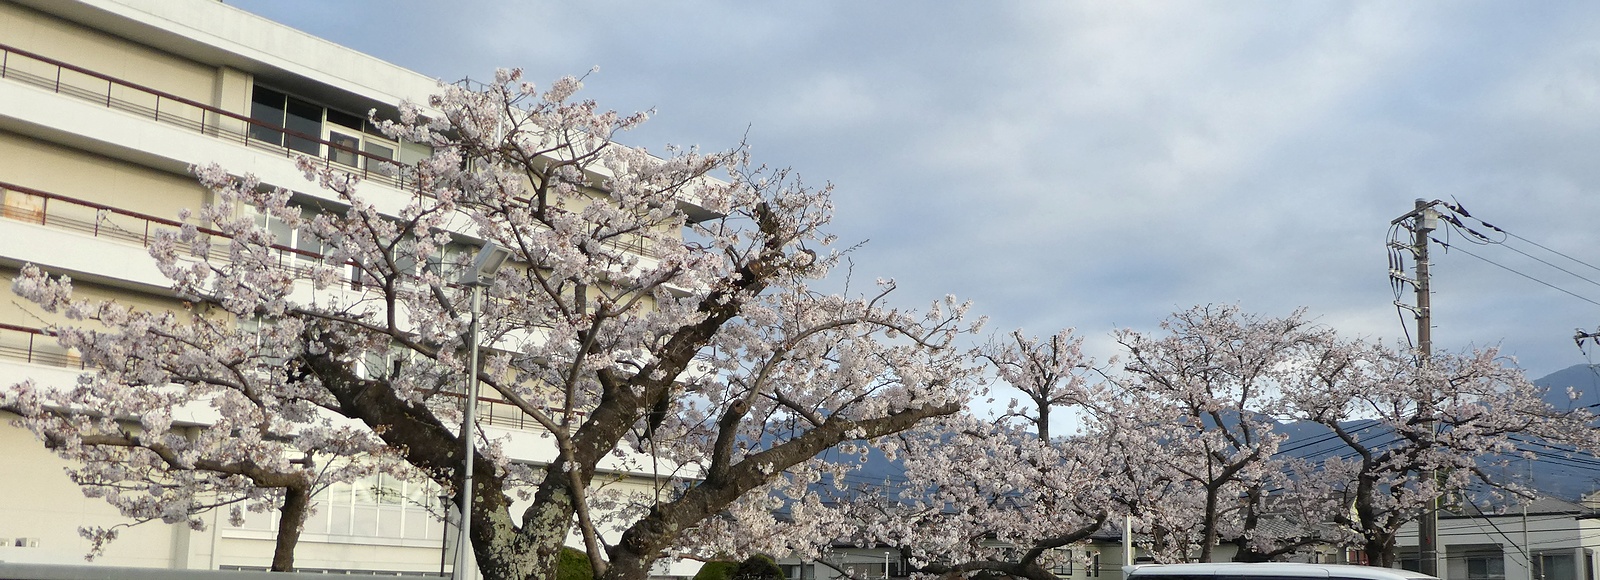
<point>1561,544</point>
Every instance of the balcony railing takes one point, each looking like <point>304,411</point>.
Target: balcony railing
<point>34,345</point>
<point>31,205</point>
<point>114,93</point>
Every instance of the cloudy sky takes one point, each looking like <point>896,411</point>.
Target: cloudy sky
<point>1099,165</point>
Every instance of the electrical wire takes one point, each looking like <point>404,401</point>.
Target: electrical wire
<point>1514,271</point>
<point>1542,247</point>
<point>1530,256</point>
<point>1462,211</point>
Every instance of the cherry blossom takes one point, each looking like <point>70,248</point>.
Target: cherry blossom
<point>657,320</point>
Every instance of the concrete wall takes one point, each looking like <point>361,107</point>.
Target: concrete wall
<point>98,51</point>
<point>41,504</point>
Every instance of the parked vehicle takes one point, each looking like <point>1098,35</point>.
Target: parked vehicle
<point>1267,571</point>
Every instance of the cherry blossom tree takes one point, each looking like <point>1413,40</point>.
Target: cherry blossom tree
<point>657,318</point>
<point>1184,433</point>
<point>1051,373</point>
<point>1214,377</point>
<point>985,496</point>
<point>1159,438</point>
<point>1396,420</point>
<point>186,413</point>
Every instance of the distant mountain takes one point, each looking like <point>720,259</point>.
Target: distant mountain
<point>1584,379</point>
<point>1554,473</point>
<point>1564,475</point>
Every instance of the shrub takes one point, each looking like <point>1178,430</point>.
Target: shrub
<point>574,565</point>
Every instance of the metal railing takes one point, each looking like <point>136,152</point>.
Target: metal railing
<point>35,206</point>
<point>114,93</point>
<point>35,345</point>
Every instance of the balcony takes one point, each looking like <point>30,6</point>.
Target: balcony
<point>35,346</point>
<point>69,80</point>
<point>51,210</point>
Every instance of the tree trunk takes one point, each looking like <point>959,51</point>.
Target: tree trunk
<point>1044,419</point>
<point>291,519</point>
<point>1209,538</point>
<point>1379,551</point>
<point>1246,553</point>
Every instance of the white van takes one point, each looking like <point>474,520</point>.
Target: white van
<point>1266,571</point>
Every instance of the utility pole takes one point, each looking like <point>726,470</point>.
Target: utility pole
<point>1428,528</point>
<point>1423,220</point>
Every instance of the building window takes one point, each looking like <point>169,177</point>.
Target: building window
<point>298,238</point>
<point>1555,566</point>
<point>267,105</point>
<point>1063,566</point>
<point>343,149</point>
<point>379,506</point>
<point>1411,562</point>
<point>867,570</point>
<point>1092,568</point>
<point>1486,567</point>
<point>304,126</point>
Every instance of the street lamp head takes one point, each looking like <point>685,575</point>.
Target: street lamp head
<point>485,265</point>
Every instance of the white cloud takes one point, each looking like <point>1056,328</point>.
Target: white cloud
<point>1090,164</point>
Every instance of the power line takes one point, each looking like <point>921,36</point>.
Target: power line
<point>1591,266</point>
<point>1536,258</point>
<point>1462,211</point>
<point>1513,271</point>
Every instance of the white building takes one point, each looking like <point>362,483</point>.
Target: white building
<point>104,105</point>
<point>1552,539</point>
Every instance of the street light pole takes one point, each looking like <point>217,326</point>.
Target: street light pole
<point>484,267</point>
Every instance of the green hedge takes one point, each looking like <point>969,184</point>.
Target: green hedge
<point>574,565</point>
<point>753,568</point>
<point>716,571</point>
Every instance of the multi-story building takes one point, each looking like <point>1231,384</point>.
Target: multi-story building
<point>104,106</point>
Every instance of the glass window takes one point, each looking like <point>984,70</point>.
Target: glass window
<point>306,119</point>
<point>1063,567</point>
<point>405,257</point>
<point>381,151</point>
<point>1557,567</point>
<point>304,240</point>
<point>872,570</point>
<point>282,234</point>
<point>266,105</point>
<point>344,119</point>
<point>299,239</point>
<point>346,149</point>
<point>1411,562</point>
<point>388,491</point>
<point>1487,567</point>
<point>413,152</point>
<point>447,264</point>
